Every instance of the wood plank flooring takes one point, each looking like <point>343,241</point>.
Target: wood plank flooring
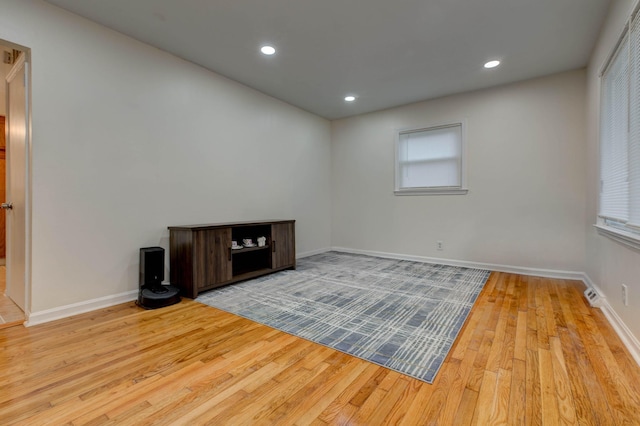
<point>10,314</point>
<point>532,352</point>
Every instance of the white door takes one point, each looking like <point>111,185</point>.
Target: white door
<point>17,157</point>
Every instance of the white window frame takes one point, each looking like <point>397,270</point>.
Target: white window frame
<point>434,190</point>
<point>615,229</point>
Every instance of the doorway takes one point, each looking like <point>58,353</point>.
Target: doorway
<point>14,137</point>
<point>3,188</point>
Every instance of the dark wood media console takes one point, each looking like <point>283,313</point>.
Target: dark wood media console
<point>201,257</point>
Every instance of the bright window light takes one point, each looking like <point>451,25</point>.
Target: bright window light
<point>492,64</point>
<point>268,50</point>
<point>431,161</point>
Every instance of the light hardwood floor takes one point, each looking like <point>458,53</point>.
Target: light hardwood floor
<point>532,352</point>
<point>10,314</point>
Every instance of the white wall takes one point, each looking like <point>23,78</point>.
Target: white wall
<point>525,205</point>
<point>128,140</point>
<point>609,264</point>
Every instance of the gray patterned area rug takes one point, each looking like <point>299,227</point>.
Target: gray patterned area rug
<point>399,314</point>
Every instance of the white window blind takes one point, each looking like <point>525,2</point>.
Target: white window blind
<point>620,137</point>
<point>614,135</point>
<point>633,161</point>
<point>430,160</point>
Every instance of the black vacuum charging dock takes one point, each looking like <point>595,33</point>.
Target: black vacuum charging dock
<point>152,294</point>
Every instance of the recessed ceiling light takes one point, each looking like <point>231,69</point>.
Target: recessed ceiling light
<point>268,50</point>
<point>349,98</point>
<point>492,64</point>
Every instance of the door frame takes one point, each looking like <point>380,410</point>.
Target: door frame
<point>26,57</point>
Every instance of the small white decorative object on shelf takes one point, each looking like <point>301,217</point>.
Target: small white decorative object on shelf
<point>262,241</point>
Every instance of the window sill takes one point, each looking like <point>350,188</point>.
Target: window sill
<point>627,238</point>
<point>431,191</point>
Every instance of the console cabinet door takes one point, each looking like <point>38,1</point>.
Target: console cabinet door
<point>283,245</point>
<point>212,260</point>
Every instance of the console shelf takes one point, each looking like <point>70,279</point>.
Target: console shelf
<point>201,257</point>
<point>246,249</point>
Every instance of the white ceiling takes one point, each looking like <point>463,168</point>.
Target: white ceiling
<point>385,52</point>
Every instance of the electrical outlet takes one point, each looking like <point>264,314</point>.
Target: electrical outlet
<point>438,245</point>
<point>625,295</point>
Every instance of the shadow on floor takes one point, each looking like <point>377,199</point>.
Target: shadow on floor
<point>10,314</point>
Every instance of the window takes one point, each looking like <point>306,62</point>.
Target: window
<point>619,210</point>
<point>430,161</point>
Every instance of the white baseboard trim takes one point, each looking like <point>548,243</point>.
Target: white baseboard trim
<point>587,280</point>
<point>547,273</point>
<point>47,315</point>
<point>627,337</point>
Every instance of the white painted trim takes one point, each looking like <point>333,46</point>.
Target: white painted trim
<point>587,280</point>
<point>80,308</point>
<point>547,273</point>
<point>601,298</point>
<point>462,190</point>
<point>627,238</point>
<point>627,337</point>
<point>431,191</point>
<point>22,64</point>
<point>104,302</point>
